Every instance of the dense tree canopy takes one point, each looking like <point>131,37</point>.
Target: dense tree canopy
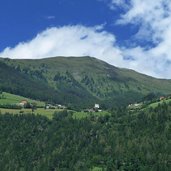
<point>130,141</point>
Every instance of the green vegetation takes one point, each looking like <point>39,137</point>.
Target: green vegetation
<point>77,82</point>
<point>134,138</point>
<point>155,104</point>
<point>97,169</point>
<point>50,112</point>
<point>81,115</point>
<point>39,111</point>
<point>7,98</point>
<point>17,82</point>
<point>121,141</point>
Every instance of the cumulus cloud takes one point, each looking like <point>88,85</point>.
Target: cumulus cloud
<point>154,20</point>
<point>69,41</point>
<point>154,15</point>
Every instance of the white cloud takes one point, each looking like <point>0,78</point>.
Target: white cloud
<point>154,19</point>
<point>154,15</point>
<point>50,17</point>
<point>69,41</point>
<point>114,4</point>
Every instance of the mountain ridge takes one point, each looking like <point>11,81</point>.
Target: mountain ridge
<point>73,57</point>
<point>87,79</point>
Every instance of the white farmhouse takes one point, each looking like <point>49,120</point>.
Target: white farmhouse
<point>96,106</point>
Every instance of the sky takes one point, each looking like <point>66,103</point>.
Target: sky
<point>132,34</point>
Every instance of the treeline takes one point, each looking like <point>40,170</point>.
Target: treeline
<point>10,106</point>
<point>26,84</point>
<point>73,92</point>
<point>16,82</point>
<point>62,86</point>
<point>123,141</point>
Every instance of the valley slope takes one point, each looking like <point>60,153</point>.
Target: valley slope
<point>77,81</point>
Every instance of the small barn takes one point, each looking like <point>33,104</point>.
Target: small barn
<point>162,98</point>
<point>24,103</point>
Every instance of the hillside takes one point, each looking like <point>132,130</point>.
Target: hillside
<point>9,99</point>
<point>77,81</point>
<point>122,141</point>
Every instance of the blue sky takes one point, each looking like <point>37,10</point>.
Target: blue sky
<point>23,19</point>
<point>124,33</point>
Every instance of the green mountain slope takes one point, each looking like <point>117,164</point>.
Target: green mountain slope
<point>78,81</point>
<point>9,99</point>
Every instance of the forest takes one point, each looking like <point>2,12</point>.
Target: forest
<point>126,140</point>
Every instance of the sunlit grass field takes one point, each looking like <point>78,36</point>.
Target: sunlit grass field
<point>153,105</point>
<point>49,112</point>
<point>81,115</point>
<point>39,111</point>
<point>7,98</point>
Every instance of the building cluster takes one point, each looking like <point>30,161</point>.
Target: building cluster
<point>96,108</point>
<point>57,106</point>
<point>135,105</point>
<point>27,104</point>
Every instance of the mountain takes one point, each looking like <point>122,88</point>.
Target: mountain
<point>77,81</point>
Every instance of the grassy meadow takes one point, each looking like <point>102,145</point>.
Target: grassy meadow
<point>39,111</point>
<point>153,105</point>
<point>10,99</point>
<point>7,98</point>
<point>81,115</point>
<point>49,112</point>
